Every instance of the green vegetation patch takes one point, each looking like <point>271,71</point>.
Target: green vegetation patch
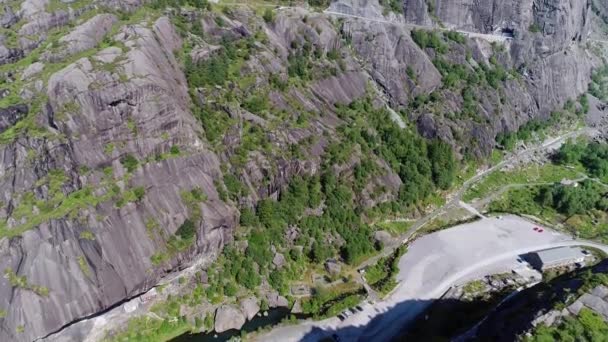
<point>381,276</point>
<point>22,283</point>
<point>548,173</point>
<point>429,39</point>
<point>395,228</point>
<point>599,83</point>
<point>330,302</point>
<point>582,208</point>
<point>57,207</point>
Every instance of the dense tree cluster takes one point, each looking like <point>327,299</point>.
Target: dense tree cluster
<point>571,200</point>
<point>429,39</point>
<point>526,131</point>
<point>215,70</point>
<point>599,83</point>
<point>593,156</point>
<point>421,165</point>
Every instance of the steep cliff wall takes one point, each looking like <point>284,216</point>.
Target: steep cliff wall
<point>86,240</point>
<point>106,151</point>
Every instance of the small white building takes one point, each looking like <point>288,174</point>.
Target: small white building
<point>556,257</point>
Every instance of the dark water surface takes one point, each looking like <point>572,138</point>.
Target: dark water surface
<point>274,317</point>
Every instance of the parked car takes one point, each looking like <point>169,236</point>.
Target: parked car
<point>540,230</point>
<point>341,317</point>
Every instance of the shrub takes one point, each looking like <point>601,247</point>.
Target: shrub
<point>187,230</point>
<point>139,193</point>
<point>268,16</point>
<point>129,162</point>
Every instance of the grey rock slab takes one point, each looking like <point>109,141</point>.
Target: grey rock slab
<point>297,307</point>
<point>600,291</point>
<point>332,267</point>
<point>595,303</point>
<point>228,317</point>
<point>275,300</point>
<point>11,115</point>
<point>382,236</point>
<point>86,35</point>
<point>250,307</point>
<point>278,260</point>
<point>32,70</point>
<point>108,55</point>
<point>575,307</point>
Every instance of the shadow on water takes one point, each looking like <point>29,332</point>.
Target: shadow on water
<point>274,317</point>
<point>446,319</point>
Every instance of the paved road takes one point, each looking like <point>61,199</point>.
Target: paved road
<point>471,209</point>
<point>432,265</point>
<point>488,37</point>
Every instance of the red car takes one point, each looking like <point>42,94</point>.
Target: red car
<point>540,230</point>
<point>536,228</point>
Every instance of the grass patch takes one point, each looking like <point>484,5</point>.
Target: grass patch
<point>395,228</point>
<point>548,173</point>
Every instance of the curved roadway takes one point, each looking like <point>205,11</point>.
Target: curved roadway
<point>432,265</point>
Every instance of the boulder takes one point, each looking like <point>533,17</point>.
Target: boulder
<point>108,55</point>
<point>204,52</point>
<point>8,18</point>
<point>382,237</point>
<point>291,234</point>
<point>228,317</point>
<point>204,278</point>
<point>278,260</point>
<point>250,307</point>
<point>32,70</point>
<point>84,36</point>
<point>297,307</point>
<point>332,267</point>
<point>11,115</point>
<point>276,301</point>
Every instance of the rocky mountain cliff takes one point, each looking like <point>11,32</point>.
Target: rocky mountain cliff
<point>116,154</point>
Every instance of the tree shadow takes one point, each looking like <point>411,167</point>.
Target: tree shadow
<point>413,320</point>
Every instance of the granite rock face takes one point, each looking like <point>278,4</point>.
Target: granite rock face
<point>104,122</point>
<point>83,37</point>
<point>544,47</point>
<point>102,256</point>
